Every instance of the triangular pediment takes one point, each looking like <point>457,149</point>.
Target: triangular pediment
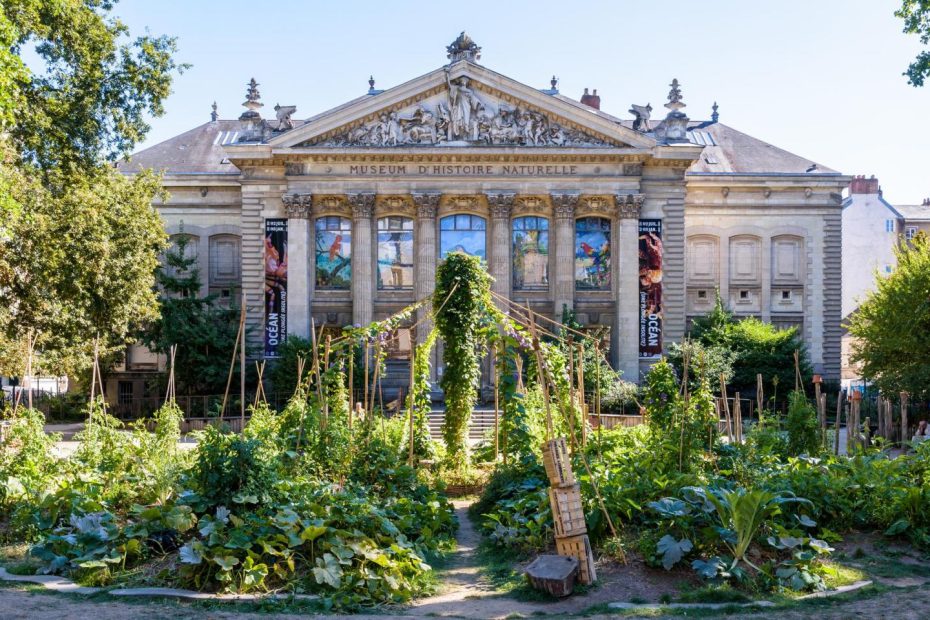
<point>462,105</point>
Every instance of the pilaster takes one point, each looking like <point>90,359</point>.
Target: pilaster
<point>500,264</point>
<point>363,207</point>
<point>628,310</point>
<point>426,255</point>
<point>564,205</point>
<point>299,244</point>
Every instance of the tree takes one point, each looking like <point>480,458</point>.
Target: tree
<point>916,16</point>
<point>78,241</point>
<point>204,331</point>
<point>77,265</point>
<point>754,346</point>
<point>891,327</point>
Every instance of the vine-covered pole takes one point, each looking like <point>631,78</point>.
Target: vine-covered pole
<point>242,368</point>
<point>497,420</point>
<point>759,397</point>
<point>410,398</point>
<point>726,407</point>
<point>584,406</point>
<point>351,383</point>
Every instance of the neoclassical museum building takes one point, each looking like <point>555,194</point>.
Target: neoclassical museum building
<point>632,223</point>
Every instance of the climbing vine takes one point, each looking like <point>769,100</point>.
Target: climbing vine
<point>463,314</point>
<point>420,401</point>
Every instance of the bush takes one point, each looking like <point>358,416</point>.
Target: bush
<point>803,429</point>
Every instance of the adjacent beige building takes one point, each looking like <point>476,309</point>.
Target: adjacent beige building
<point>633,224</point>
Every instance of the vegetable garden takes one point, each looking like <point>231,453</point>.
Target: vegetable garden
<point>331,497</point>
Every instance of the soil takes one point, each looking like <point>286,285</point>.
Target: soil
<point>465,592</point>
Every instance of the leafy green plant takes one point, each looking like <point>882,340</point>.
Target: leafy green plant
<point>802,426</point>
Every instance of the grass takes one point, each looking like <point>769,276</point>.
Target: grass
<point>723,593</point>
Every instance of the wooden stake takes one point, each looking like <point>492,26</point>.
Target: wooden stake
<point>497,418</point>
<point>836,425</point>
<point>738,417</point>
<point>413,353</point>
<point>760,401</point>
<point>242,369</point>
<point>904,399</point>
<point>232,362</point>
<point>726,407</point>
<point>581,400</point>
<point>351,384</point>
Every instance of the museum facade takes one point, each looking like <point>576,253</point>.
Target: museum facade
<point>633,224</point>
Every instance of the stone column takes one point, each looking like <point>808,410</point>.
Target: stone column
<point>628,311</point>
<point>564,281</point>
<point>363,207</point>
<point>500,264</point>
<point>299,243</point>
<point>426,255</point>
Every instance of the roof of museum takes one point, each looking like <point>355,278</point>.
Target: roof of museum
<point>726,151</point>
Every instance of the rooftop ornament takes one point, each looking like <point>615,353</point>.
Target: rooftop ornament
<point>642,114</point>
<point>251,119</point>
<point>463,48</point>
<point>714,116</point>
<point>676,122</point>
<point>214,115</point>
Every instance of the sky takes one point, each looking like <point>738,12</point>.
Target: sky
<point>819,78</point>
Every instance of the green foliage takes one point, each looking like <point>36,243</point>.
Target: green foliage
<point>803,428</point>
<point>463,312</point>
<point>916,16</point>
<point>79,241</point>
<point>79,262</point>
<point>706,362</point>
<point>892,326</point>
<point>283,374</point>
<point>420,401</point>
<point>753,347</point>
<point>205,330</point>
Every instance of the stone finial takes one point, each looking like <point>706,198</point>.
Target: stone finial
<point>676,122</point>
<point>252,102</point>
<point>463,48</point>
<point>674,96</point>
<point>554,82</point>
<point>214,115</point>
<point>714,115</point>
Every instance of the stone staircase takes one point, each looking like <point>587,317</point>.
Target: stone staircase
<point>482,421</point>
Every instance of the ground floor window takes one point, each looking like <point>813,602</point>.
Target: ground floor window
<point>333,252</point>
<point>463,233</point>
<point>592,253</point>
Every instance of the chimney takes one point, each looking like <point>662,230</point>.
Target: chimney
<point>592,100</point>
<point>862,185</point>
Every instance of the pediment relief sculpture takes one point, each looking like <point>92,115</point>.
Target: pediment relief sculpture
<point>460,117</point>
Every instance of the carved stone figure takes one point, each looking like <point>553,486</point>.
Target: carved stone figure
<point>284,113</point>
<point>642,114</point>
<point>463,48</point>
<point>461,115</point>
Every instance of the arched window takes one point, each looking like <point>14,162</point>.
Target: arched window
<point>333,252</point>
<point>224,260</point>
<point>530,253</point>
<point>592,253</point>
<point>395,253</point>
<point>463,233</point>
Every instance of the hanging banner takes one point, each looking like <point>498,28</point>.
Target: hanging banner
<point>650,288</point>
<point>275,285</point>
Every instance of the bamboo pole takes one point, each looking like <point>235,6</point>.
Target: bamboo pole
<point>242,369</point>
<point>410,405</point>
<point>726,407</point>
<point>760,400</point>
<point>582,403</point>
<point>497,420</point>
<point>836,424</point>
<point>904,399</point>
<point>351,384</point>
<point>367,361</point>
<point>30,344</point>
<point>232,362</point>
<point>738,417</point>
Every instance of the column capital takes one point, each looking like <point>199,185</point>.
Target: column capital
<point>564,204</point>
<point>629,205</point>
<point>501,204</point>
<point>297,206</point>
<point>427,204</point>
<point>363,205</point>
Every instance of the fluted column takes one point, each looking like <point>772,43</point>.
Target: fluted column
<point>628,311</point>
<point>363,206</point>
<point>500,263</point>
<point>299,242</point>
<point>426,255</point>
<point>564,281</point>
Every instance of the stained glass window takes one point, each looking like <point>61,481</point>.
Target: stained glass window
<point>333,252</point>
<point>592,253</point>
<point>463,233</point>
<point>530,253</point>
<point>395,253</point>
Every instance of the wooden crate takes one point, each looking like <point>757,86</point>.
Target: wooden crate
<point>579,547</point>
<point>558,466</point>
<point>567,511</point>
